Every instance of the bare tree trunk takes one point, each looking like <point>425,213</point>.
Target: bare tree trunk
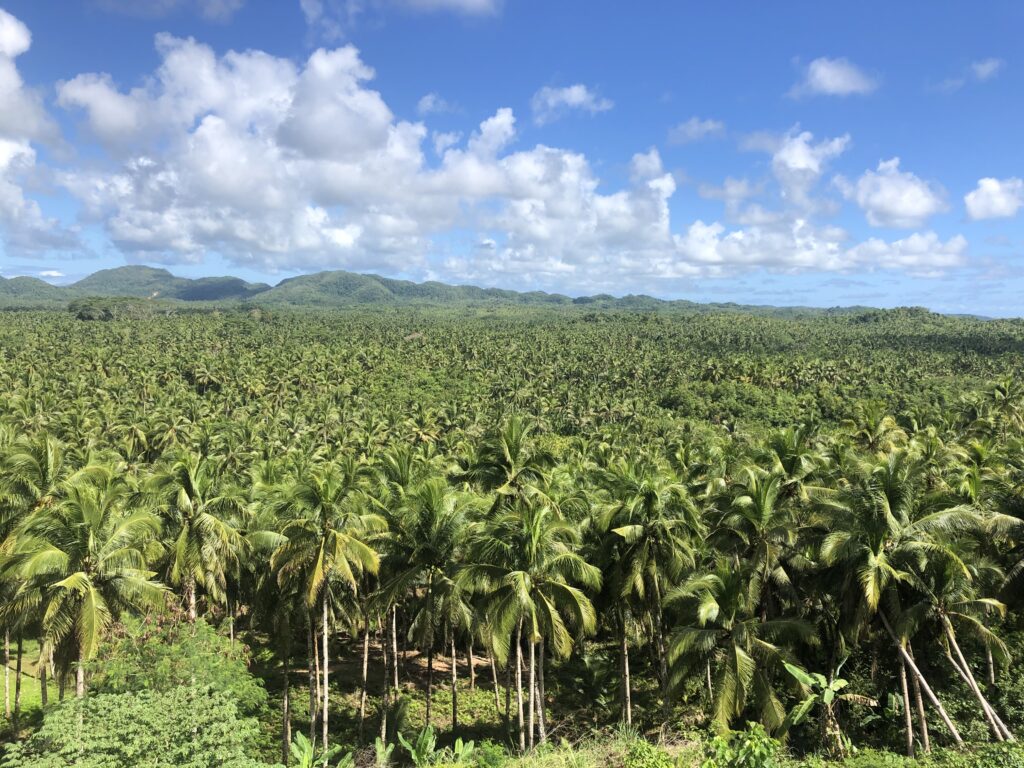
<point>455,686</point>
<point>908,721</point>
<point>508,692</point>
<point>494,680</point>
<point>924,683</point>
<point>326,660</point>
<point>533,688</point>
<point>659,634</point>
<point>394,642</point>
<point>366,673</point>
<point>627,700</point>
<point>519,685</point>
<point>314,680</point>
<point>471,663</point>
<point>44,694</point>
<point>7,674</point>
<point>231,623</point>
<point>190,598</point>
<point>62,682</point>
<point>922,718</point>
<point>385,702</point>
<point>430,678</point>
<point>1002,733</point>
<point>17,681</point>
<point>286,700</point>
<point>711,688</point>
<point>541,722</point>
<point>80,679</point>
<point>991,666</point>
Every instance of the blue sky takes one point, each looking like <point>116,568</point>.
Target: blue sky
<point>783,153</point>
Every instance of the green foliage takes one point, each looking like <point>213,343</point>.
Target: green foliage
<point>643,754</point>
<point>182,727</point>
<point>422,749</point>
<point>750,748</point>
<point>306,755</point>
<point>148,656</point>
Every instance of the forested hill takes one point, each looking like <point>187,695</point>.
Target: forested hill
<point>330,289</point>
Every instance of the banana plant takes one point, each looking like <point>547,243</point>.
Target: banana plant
<point>823,693</point>
<point>423,750</point>
<point>306,755</point>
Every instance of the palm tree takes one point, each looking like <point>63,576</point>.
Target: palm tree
<point>327,526</point>
<point>653,522</point>
<point>721,630</point>
<point>425,546</point>
<point>525,563</point>
<point>81,562</point>
<point>202,545</point>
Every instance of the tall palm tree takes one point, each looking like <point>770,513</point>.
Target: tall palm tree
<point>328,524</point>
<point>81,562</point>
<point>525,562</point>
<point>202,544</point>
<point>721,629</point>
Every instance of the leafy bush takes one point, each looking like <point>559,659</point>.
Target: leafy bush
<point>752,748</point>
<point>145,656</point>
<point>183,728</point>
<point>643,754</point>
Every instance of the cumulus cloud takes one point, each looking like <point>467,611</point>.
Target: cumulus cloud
<point>550,104</point>
<point>894,198</point>
<point>798,163</point>
<point>833,77</point>
<point>21,109</point>
<point>280,164</point>
<point>695,129</point>
<point>995,198</point>
<point>24,229</point>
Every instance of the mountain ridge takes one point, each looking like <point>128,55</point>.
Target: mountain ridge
<point>337,289</point>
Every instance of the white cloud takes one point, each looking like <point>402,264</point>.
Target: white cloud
<point>979,71</point>
<point>23,226</point>
<point>798,163</point>
<point>986,69</point>
<point>549,104</point>
<point>52,273</point>
<point>695,129</point>
<point>469,7</point>
<point>432,104</point>
<point>833,77</point>
<point>15,38</point>
<point>281,165</point>
<point>894,198</point>
<point>995,198</point>
<point>213,10</point>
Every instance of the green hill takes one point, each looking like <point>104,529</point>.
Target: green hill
<point>339,289</point>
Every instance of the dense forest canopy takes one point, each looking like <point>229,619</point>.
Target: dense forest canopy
<point>471,535</point>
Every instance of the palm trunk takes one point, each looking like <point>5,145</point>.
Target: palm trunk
<point>471,664</point>
<point>430,679</point>
<point>455,686</point>
<point>519,685</point>
<point>924,683</point>
<point>366,672</point>
<point>190,598</point>
<point>394,643</point>
<point>44,694</point>
<point>326,660</point>
<point>627,700</point>
<point>532,689</point>
<point>7,674</point>
<point>922,718</point>
<point>999,727</point>
<point>659,634</point>
<point>908,721</point>
<point>80,679</point>
<point>541,722</point>
<point>385,696</point>
<point>286,700</point>
<point>991,667</point>
<point>984,709</point>
<point>494,679</point>
<point>62,682</point>
<point>231,623</point>
<point>17,681</point>
<point>314,680</point>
